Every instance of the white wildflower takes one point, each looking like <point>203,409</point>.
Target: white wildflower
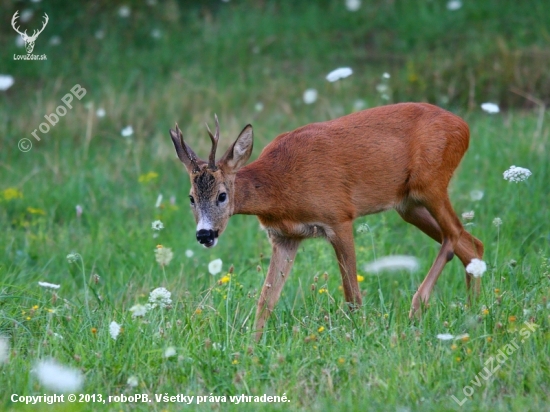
<point>382,88</point>
<point>26,15</point>
<point>73,257</point>
<point>160,297</point>
<point>169,352</point>
<point>359,104</point>
<point>215,266</point>
<point>454,5</point>
<point>156,34</point>
<point>19,42</point>
<point>310,96</point>
<point>55,40</point>
<point>100,112</point>
<point>132,381</point>
<point>57,377</point>
<point>468,215</point>
<point>445,336</point>
<point>516,174</point>
<point>138,310</point>
<point>79,210</point>
<point>127,131</point>
<point>353,5</point>
<point>490,108</point>
<point>259,106</point>
<point>114,330</point>
<point>476,268</point>
<point>476,195</point>
<point>189,253</point>
<point>100,34</point>
<point>338,74</point>
<point>159,201</point>
<point>386,75</point>
<point>163,255</point>
<point>6,81</point>
<point>49,285</point>
<point>4,349</point>
<point>393,263</point>
<point>124,11</point>
<point>157,225</point>
<point>497,221</point>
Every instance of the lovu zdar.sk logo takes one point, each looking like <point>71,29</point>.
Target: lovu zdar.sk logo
<point>29,40</point>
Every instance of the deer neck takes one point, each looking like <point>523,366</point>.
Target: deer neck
<point>253,195</point>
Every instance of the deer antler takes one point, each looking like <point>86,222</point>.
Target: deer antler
<point>13,23</point>
<point>190,154</point>
<point>214,138</point>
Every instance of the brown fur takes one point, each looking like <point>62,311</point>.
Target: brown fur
<point>315,180</point>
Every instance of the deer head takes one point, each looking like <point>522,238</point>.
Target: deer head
<point>29,40</point>
<point>212,183</point>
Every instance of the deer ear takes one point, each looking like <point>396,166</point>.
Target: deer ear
<point>239,152</point>
<point>185,153</point>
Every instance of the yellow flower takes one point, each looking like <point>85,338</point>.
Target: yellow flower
<point>360,278</point>
<point>458,358</point>
<point>497,291</point>
<point>225,279</point>
<point>148,177</point>
<point>36,211</point>
<point>11,193</point>
<point>489,339</point>
<point>512,319</point>
<point>198,311</point>
<point>453,347</point>
<point>341,361</point>
<point>322,290</point>
<point>235,362</point>
<point>485,311</point>
<point>35,307</point>
<point>321,329</point>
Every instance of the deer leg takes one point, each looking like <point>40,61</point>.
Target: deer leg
<point>450,231</point>
<point>342,242</point>
<point>467,247</point>
<point>283,253</point>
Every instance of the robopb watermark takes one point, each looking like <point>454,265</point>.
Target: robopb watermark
<point>77,91</point>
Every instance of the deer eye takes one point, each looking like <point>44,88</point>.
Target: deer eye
<point>222,197</point>
<point>192,199</point>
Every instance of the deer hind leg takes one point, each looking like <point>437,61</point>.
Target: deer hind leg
<point>442,224</point>
<point>282,258</point>
<point>342,242</point>
<point>467,247</point>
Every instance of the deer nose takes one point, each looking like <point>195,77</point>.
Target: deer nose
<point>206,237</point>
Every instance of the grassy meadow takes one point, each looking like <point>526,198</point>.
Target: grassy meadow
<point>251,62</point>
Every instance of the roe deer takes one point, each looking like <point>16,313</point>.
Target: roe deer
<point>315,180</point>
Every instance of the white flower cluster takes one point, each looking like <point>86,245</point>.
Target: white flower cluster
<point>57,377</point>
<point>476,268</point>
<point>160,297</point>
<point>163,255</point>
<point>516,174</point>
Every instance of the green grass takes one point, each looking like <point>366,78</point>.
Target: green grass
<point>224,59</point>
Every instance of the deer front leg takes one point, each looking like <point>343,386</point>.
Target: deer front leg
<point>342,242</point>
<point>282,258</point>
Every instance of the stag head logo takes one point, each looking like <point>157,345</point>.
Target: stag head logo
<point>29,40</point>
